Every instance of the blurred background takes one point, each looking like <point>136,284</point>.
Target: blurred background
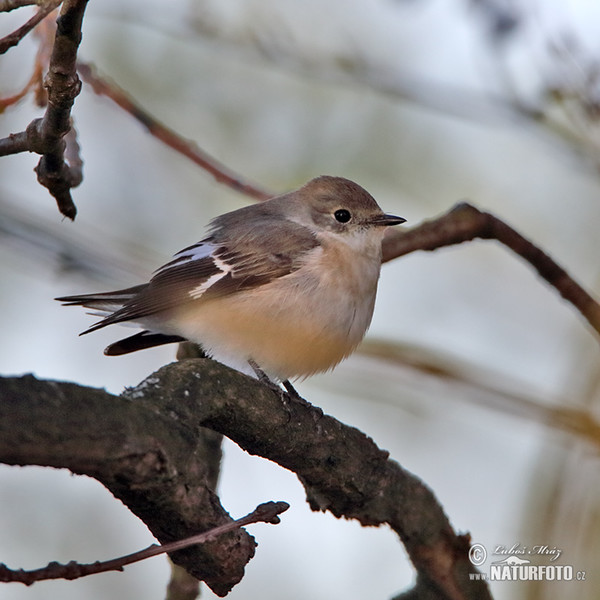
<point>475,375</point>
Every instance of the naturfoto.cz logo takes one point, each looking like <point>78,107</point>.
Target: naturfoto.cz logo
<point>517,564</point>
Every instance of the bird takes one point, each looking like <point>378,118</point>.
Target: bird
<point>284,288</point>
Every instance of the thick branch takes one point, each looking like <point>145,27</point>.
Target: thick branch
<point>342,469</point>
<point>154,463</point>
<point>464,223</point>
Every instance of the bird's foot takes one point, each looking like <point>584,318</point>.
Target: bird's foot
<point>287,394</point>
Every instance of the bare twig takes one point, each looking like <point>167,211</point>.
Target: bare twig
<point>464,223</point>
<point>103,86</point>
<point>14,143</point>
<point>8,5</point>
<point>45,136</point>
<point>264,513</point>
<point>63,87</point>
<point>45,31</point>
<point>12,39</point>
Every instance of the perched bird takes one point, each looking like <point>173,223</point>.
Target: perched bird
<point>287,285</point>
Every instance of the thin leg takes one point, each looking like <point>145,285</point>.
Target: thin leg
<point>263,377</point>
<point>289,388</point>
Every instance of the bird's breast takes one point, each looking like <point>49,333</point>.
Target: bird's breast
<point>303,323</point>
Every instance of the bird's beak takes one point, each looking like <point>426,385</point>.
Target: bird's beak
<point>386,220</point>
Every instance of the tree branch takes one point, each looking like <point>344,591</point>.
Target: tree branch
<point>189,149</point>
<point>264,513</point>
<point>12,39</point>
<point>152,462</point>
<point>8,5</point>
<point>342,470</point>
<point>45,136</point>
<point>45,32</point>
<point>464,223</point>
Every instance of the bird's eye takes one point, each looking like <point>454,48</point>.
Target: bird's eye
<point>342,215</point>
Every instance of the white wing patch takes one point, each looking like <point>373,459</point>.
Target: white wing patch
<point>196,252</point>
<point>199,290</point>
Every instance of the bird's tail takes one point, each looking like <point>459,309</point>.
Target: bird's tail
<point>104,301</point>
<point>103,304</point>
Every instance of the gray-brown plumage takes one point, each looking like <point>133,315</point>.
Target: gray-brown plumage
<point>289,283</point>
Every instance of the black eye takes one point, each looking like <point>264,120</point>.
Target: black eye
<point>342,215</point>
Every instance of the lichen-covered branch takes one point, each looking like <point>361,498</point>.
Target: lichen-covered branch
<point>152,462</point>
<point>342,469</point>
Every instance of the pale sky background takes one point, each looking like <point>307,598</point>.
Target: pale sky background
<point>282,91</point>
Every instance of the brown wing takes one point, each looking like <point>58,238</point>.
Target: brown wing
<point>220,265</point>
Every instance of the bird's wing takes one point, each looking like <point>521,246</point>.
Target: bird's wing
<point>217,266</point>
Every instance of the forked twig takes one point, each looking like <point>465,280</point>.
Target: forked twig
<point>13,38</point>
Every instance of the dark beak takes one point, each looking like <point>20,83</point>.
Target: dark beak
<point>386,220</point>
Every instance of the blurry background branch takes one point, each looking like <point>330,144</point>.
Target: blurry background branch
<point>464,223</point>
<point>222,174</point>
<point>485,387</point>
<point>563,103</point>
<point>141,452</point>
<point>16,36</point>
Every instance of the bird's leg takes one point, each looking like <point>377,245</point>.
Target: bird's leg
<point>264,378</point>
<point>291,390</point>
